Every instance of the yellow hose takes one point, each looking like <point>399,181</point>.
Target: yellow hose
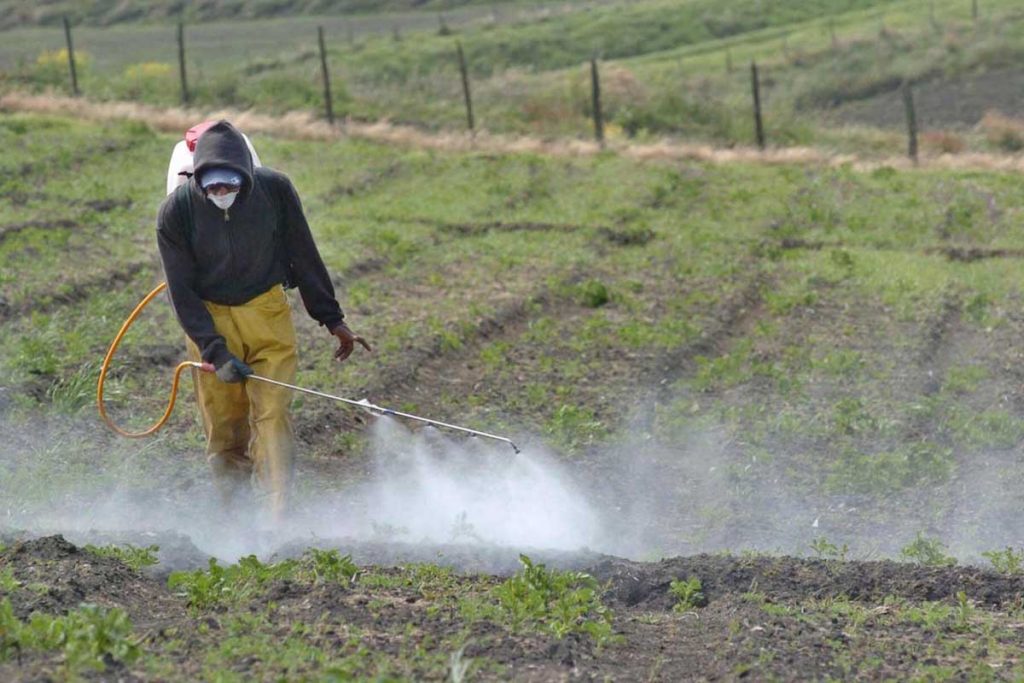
<point>106,366</point>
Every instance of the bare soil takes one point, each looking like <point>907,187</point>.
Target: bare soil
<point>955,103</point>
<point>731,636</point>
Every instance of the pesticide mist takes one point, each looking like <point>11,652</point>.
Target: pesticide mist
<point>424,488</point>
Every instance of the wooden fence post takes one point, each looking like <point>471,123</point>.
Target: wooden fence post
<point>71,58</point>
<point>595,83</point>
<point>467,95</point>
<point>728,61</point>
<point>327,76</point>
<point>974,10</point>
<point>181,63</point>
<point>908,105</point>
<point>832,33</point>
<point>758,122</point>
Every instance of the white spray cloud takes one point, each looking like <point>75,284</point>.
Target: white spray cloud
<point>428,487</point>
<point>425,487</point>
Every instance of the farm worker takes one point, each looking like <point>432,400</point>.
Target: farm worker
<point>230,239</point>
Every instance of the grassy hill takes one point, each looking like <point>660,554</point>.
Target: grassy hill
<point>19,14</point>
<point>669,68</point>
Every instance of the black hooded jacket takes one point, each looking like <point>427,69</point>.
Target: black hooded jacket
<point>229,257</point>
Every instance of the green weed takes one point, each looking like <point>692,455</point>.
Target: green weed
<point>688,594</point>
<point>550,601</point>
<point>134,557</point>
<point>1009,561</point>
<point>931,615</point>
<point>927,551</point>
<point>329,566</point>
<point>8,584</point>
<point>232,584</point>
<point>575,426</point>
<point>593,294</point>
<point>826,550</point>
<point>86,636</point>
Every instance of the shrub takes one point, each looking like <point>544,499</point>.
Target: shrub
<point>943,141</point>
<point>1002,131</point>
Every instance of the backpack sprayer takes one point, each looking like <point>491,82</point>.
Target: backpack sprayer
<point>207,367</point>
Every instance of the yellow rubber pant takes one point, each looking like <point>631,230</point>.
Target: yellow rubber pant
<point>248,427</point>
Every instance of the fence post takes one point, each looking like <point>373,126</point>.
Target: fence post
<point>728,61</point>
<point>832,33</point>
<point>908,105</point>
<point>181,63</point>
<point>974,10</point>
<point>327,77</point>
<point>71,58</point>
<point>595,82</point>
<point>467,95</point>
<point>758,122</point>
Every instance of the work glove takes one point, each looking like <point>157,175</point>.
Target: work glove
<point>347,340</point>
<point>233,371</point>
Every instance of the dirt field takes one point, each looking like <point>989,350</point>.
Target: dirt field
<point>948,103</point>
<point>763,617</point>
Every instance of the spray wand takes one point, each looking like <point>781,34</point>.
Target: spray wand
<point>366,405</point>
<point>207,367</point>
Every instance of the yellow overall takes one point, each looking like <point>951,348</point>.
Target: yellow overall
<point>248,428</point>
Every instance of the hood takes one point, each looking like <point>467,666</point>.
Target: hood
<point>223,145</point>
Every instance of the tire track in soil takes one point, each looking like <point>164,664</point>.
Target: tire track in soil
<point>403,380</point>
<point>78,292</point>
<point>364,183</point>
<point>43,168</point>
<point>97,205</point>
<point>15,228</point>
<point>736,315</point>
<point>962,254</point>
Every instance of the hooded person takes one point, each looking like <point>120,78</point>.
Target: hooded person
<point>230,239</point>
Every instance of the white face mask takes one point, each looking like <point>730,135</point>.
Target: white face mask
<point>223,201</point>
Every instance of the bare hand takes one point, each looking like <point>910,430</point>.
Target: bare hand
<point>347,340</point>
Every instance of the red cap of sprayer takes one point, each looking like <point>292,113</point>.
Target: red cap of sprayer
<point>193,133</point>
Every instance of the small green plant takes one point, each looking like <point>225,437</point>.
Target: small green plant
<point>8,584</point>
<point>330,566</point>
<point>689,594</point>
<point>88,636</point>
<point>931,615</point>
<point>826,550</point>
<point>963,612</point>
<point>1009,561</point>
<point>134,557</point>
<point>549,601</point>
<point>217,585</point>
<point>74,391</point>
<point>927,551</point>
<point>594,294</point>
<point>575,426</point>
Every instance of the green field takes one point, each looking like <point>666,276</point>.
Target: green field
<point>840,345</point>
<point>770,405</point>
